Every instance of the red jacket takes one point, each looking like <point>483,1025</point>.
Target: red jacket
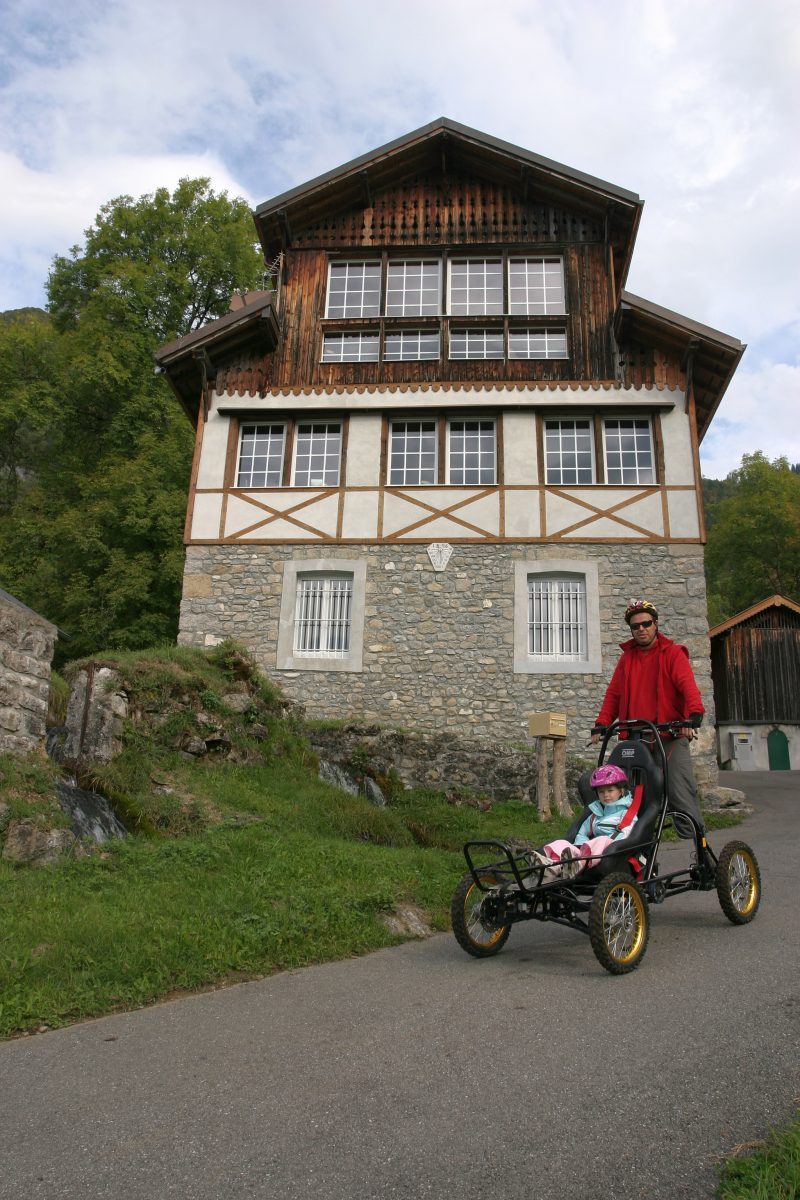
<point>677,693</point>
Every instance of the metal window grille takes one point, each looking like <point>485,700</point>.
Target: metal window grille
<point>412,453</point>
<point>323,616</point>
<point>318,453</point>
<point>537,343</point>
<point>557,618</point>
<point>569,457</point>
<point>354,289</point>
<point>260,456</point>
<point>536,285</point>
<point>476,343</point>
<point>411,345</point>
<point>629,451</point>
<point>472,452</point>
<point>413,289</point>
<point>350,347</point>
<point>476,286</point>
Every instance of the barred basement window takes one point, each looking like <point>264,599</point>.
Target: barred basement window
<point>323,616</point>
<point>557,618</point>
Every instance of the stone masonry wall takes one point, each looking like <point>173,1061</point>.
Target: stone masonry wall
<point>26,651</point>
<point>438,646</point>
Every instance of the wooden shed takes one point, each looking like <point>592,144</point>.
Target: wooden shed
<point>755,667</point>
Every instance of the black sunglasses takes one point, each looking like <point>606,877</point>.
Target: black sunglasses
<point>642,625</point>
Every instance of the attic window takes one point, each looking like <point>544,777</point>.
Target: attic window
<point>354,289</point>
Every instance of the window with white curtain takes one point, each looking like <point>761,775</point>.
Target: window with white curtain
<point>557,617</point>
<point>322,621</point>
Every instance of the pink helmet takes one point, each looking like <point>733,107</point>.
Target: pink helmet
<point>606,775</point>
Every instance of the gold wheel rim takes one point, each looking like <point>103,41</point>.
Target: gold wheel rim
<point>742,882</point>
<point>624,923</point>
<point>479,930</point>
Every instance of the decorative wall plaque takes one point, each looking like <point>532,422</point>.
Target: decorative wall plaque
<point>439,554</point>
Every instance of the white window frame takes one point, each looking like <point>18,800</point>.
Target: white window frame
<point>553,569</point>
<point>477,281</point>
<point>359,300</point>
<point>639,471</point>
<point>326,453</point>
<point>365,346</point>
<point>538,343</point>
<point>399,283</point>
<point>289,659</point>
<point>566,448</point>
<point>399,433</point>
<point>463,468</point>
<point>540,296</point>
<point>415,345</point>
<point>476,343</point>
<point>260,425</point>
<point>322,623</point>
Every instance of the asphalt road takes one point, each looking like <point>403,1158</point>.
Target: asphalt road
<point>420,1072</point>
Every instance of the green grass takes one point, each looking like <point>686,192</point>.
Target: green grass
<point>770,1171</point>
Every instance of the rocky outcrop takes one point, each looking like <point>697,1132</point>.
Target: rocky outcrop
<point>98,705</point>
<point>26,651</point>
<point>26,841</point>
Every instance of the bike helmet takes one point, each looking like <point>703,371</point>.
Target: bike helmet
<point>607,775</point>
<point>635,606</point>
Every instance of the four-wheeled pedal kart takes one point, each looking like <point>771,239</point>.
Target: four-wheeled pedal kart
<point>608,900</point>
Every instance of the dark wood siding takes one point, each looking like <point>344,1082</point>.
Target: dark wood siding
<point>756,669</point>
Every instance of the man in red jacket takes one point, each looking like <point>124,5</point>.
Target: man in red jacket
<point>653,681</point>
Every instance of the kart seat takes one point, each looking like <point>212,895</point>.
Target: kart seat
<point>638,763</point>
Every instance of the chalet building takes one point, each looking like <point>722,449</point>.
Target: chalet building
<point>433,463</point>
<point>755,665</point>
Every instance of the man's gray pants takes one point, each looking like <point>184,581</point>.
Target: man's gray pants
<point>682,787</point>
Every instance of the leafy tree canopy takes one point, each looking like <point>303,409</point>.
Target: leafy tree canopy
<point>754,539</point>
<point>96,451</point>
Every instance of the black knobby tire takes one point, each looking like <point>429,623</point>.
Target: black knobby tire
<point>738,881</point>
<point>474,931</point>
<point>619,923</point>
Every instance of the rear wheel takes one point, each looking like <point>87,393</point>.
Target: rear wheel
<point>738,882</point>
<point>475,925</point>
<point>619,924</point>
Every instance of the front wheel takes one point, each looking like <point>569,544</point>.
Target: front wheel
<point>475,926</point>
<point>619,924</point>
<point>738,881</point>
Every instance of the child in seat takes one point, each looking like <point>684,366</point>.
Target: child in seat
<point>606,823</point>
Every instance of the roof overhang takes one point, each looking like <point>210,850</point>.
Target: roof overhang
<point>445,145</point>
<point>190,362</point>
<point>711,357</point>
<point>753,611</point>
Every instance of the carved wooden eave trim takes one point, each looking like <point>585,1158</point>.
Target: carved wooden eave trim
<point>382,397</point>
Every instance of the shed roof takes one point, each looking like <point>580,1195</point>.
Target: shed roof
<point>753,611</point>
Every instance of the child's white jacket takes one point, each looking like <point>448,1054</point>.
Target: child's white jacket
<point>604,820</point>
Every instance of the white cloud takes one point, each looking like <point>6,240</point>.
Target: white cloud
<point>760,411</point>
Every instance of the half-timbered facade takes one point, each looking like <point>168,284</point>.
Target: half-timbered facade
<point>436,458</point>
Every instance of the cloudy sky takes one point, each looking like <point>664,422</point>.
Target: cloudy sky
<point>693,104</point>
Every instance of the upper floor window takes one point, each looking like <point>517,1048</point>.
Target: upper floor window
<point>536,286</point>
<point>318,454</point>
<point>413,288</point>
<point>476,343</point>
<point>537,343</point>
<point>351,347</point>
<point>568,452</point>
<point>261,456</point>
<point>629,450</point>
<point>476,286</point>
<point>406,345</point>
<point>354,289</point>
<point>472,452</point>
<point>412,453</point>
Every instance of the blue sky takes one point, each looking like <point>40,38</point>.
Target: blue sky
<point>694,105</point>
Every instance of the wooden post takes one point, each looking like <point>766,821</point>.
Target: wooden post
<point>560,797</point>
<point>542,780</point>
